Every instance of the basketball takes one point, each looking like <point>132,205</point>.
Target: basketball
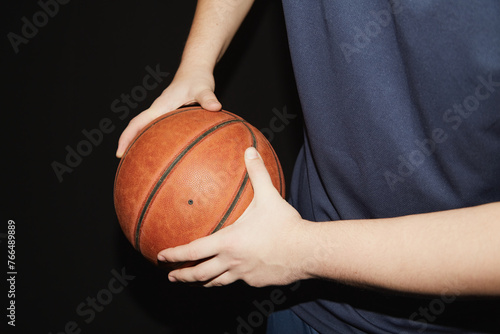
<point>183,177</point>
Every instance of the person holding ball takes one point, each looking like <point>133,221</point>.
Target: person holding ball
<point>398,181</point>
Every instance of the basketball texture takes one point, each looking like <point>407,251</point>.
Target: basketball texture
<point>184,177</point>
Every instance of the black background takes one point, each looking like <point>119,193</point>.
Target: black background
<point>63,81</point>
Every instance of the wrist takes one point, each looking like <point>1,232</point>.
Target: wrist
<point>196,72</point>
<point>311,251</point>
<point>326,250</point>
<point>196,64</point>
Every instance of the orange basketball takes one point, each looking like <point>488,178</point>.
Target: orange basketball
<point>184,177</point>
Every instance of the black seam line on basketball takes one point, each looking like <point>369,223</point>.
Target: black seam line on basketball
<point>277,165</point>
<point>230,114</point>
<point>143,131</point>
<point>274,156</point>
<point>232,206</point>
<point>173,113</point>
<point>254,140</point>
<point>240,190</point>
<point>167,172</point>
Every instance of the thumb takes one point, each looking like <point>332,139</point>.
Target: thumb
<point>208,100</point>
<point>259,176</point>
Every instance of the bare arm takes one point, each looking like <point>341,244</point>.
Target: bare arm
<point>214,25</point>
<point>455,251</point>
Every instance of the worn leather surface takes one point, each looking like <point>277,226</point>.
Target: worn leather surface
<point>184,174</point>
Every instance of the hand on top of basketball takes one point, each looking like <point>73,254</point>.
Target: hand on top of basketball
<point>187,87</point>
<point>262,247</point>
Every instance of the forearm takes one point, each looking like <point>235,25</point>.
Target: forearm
<point>214,25</point>
<point>455,250</point>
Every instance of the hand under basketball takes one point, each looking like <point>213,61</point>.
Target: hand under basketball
<point>263,247</point>
<point>187,87</point>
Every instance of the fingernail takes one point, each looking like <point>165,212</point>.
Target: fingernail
<point>172,279</point>
<point>251,153</point>
<point>161,258</point>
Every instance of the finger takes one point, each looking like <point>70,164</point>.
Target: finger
<point>132,129</point>
<point>198,249</point>
<point>225,278</point>
<point>203,272</point>
<point>207,100</point>
<point>259,176</point>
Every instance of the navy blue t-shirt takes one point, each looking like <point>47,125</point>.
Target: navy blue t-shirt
<point>401,103</point>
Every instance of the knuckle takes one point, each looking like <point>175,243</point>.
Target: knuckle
<point>254,282</point>
<point>231,246</point>
<point>200,276</point>
<point>221,281</point>
<point>205,94</point>
<point>192,254</point>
